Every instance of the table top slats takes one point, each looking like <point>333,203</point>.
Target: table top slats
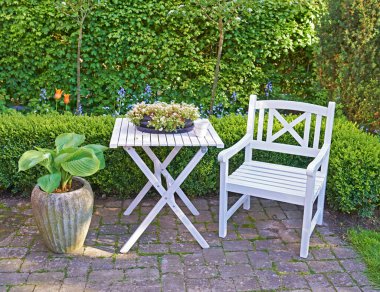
<point>178,140</point>
<point>215,136</point>
<point>154,140</point>
<point>115,133</point>
<point>126,134</point>
<point>131,134</point>
<point>170,139</point>
<point>162,139</point>
<point>186,139</point>
<point>123,132</point>
<point>138,138</point>
<point>194,139</point>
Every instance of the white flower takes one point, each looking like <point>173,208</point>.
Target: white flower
<point>238,18</point>
<point>249,10</point>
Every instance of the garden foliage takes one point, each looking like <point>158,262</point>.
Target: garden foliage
<point>349,58</point>
<point>169,45</point>
<point>353,183</point>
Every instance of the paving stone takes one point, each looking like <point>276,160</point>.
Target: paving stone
<point>10,265</point>
<point>340,279</point>
<point>247,233</point>
<point>194,272</point>
<point>154,248</point>
<point>360,279</point>
<point>56,264</point>
<point>90,251</point>
<point>293,281</point>
<point>259,260</point>
<point>106,275</point>
<point>268,280</point>
<point>47,288</point>
<point>322,254</point>
<point>292,223</point>
<point>198,285</point>
<point>353,265</point>
<point>194,259</point>
<point>275,213</point>
<point>147,261</point>
<point>173,282</point>
<point>73,284</point>
<point>325,266</point>
<point>237,245</point>
<point>236,257</point>
<point>51,278</point>
<point>172,264</point>
<point>344,252</point>
<point>22,241</point>
<point>13,278</point>
<point>291,267</point>
<point>214,256</point>
<point>284,255</point>
<point>246,283</point>
<point>225,285</point>
<point>185,247</point>
<point>13,252</point>
<point>229,271</point>
<point>142,274</point>
<point>102,264</point>
<point>274,244</point>
<point>22,288</point>
<point>316,281</point>
<point>293,214</point>
<point>348,289</point>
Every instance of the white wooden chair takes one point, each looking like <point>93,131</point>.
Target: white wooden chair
<point>278,182</point>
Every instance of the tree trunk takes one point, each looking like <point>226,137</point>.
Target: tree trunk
<point>217,66</point>
<point>80,36</point>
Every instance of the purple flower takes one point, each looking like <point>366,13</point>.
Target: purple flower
<point>268,88</point>
<point>43,94</point>
<point>234,95</point>
<point>148,90</point>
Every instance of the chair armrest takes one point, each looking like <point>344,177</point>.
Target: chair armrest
<point>318,160</point>
<point>229,152</point>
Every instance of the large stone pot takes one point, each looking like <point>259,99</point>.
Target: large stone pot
<point>63,219</point>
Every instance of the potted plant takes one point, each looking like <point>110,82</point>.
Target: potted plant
<point>162,117</point>
<point>62,201</point>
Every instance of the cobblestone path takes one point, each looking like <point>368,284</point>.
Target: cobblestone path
<point>260,252</point>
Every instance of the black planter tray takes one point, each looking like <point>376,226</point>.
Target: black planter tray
<point>154,131</point>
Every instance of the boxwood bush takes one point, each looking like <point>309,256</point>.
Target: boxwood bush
<point>353,184</point>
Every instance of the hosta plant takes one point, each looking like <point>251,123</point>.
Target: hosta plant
<point>68,159</point>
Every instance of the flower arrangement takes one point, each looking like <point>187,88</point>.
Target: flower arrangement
<point>163,117</point>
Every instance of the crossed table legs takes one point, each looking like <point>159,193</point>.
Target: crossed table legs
<point>167,195</point>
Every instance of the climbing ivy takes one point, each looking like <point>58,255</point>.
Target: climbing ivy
<point>131,44</point>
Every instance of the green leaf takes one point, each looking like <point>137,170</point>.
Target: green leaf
<point>48,183</point>
<point>68,140</point>
<point>31,158</point>
<point>82,163</point>
<point>98,150</point>
<point>63,156</point>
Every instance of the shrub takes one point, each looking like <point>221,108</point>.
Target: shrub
<point>353,183</point>
<point>349,58</point>
<point>165,44</point>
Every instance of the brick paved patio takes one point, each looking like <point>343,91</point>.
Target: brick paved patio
<point>260,253</point>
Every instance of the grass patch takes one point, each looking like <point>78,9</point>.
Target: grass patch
<point>367,244</point>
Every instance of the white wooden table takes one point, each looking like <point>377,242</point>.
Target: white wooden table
<point>127,136</point>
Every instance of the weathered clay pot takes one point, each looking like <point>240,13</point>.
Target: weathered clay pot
<point>63,219</point>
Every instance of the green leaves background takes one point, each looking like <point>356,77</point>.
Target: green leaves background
<point>170,45</point>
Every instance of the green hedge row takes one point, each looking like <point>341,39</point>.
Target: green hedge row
<point>353,184</point>
<point>170,45</point>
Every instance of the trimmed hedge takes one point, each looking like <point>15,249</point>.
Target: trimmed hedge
<point>353,184</point>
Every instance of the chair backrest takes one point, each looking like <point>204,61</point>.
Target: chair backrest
<point>308,112</point>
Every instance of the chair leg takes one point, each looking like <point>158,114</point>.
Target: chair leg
<point>321,205</point>
<point>247,203</point>
<point>306,230</point>
<point>223,204</point>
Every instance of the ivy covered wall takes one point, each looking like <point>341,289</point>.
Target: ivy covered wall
<point>170,45</point>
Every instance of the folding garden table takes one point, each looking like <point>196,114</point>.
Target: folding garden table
<point>127,136</point>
